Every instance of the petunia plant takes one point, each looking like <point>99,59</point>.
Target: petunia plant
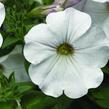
<point>54,54</point>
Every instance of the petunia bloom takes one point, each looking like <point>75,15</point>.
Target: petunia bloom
<point>2,16</point>
<point>66,54</point>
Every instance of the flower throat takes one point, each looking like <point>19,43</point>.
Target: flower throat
<point>65,49</point>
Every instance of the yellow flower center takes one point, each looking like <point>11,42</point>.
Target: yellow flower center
<point>65,49</point>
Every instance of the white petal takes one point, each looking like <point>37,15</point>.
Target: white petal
<point>1,40</point>
<point>92,48</point>
<point>2,13</point>
<point>93,77</point>
<point>48,76</point>
<point>40,44</point>
<point>39,71</point>
<point>36,53</point>
<point>99,12</point>
<point>70,22</point>
<point>53,77</point>
<point>15,63</point>
<point>57,23</point>
<point>57,75</point>
<point>79,78</point>
<point>79,23</point>
<point>73,82</point>
<point>41,34</point>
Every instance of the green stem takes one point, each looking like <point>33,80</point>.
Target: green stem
<point>63,5</point>
<point>18,104</point>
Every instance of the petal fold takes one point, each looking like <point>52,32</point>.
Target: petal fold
<point>92,49</point>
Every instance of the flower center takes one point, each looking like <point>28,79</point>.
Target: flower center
<point>65,49</point>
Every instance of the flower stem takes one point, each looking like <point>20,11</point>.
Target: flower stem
<point>18,104</point>
<point>63,5</point>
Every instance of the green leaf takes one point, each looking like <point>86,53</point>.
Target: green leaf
<point>39,1</point>
<point>3,81</point>
<point>7,105</point>
<point>36,99</point>
<point>24,87</point>
<point>101,96</point>
<point>9,41</point>
<point>106,69</point>
<point>36,12</point>
<point>27,64</point>
<point>5,51</point>
<point>47,2</point>
<point>12,79</point>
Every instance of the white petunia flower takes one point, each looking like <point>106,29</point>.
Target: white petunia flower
<point>98,11</point>
<point>2,17</point>
<point>66,54</point>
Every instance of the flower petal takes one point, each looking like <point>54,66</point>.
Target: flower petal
<point>80,78</point>
<point>36,53</point>
<point>73,82</point>
<point>79,23</point>
<point>1,40</point>
<point>92,48</point>
<point>70,22</point>
<point>99,12</point>
<point>48,76</point>
<point>40,44</point>
<point>61,74</point>
<point>57,23</point>
<point>2,13</point>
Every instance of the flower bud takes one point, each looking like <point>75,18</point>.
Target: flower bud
<point>66,3</point>
<point>58,5</point>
